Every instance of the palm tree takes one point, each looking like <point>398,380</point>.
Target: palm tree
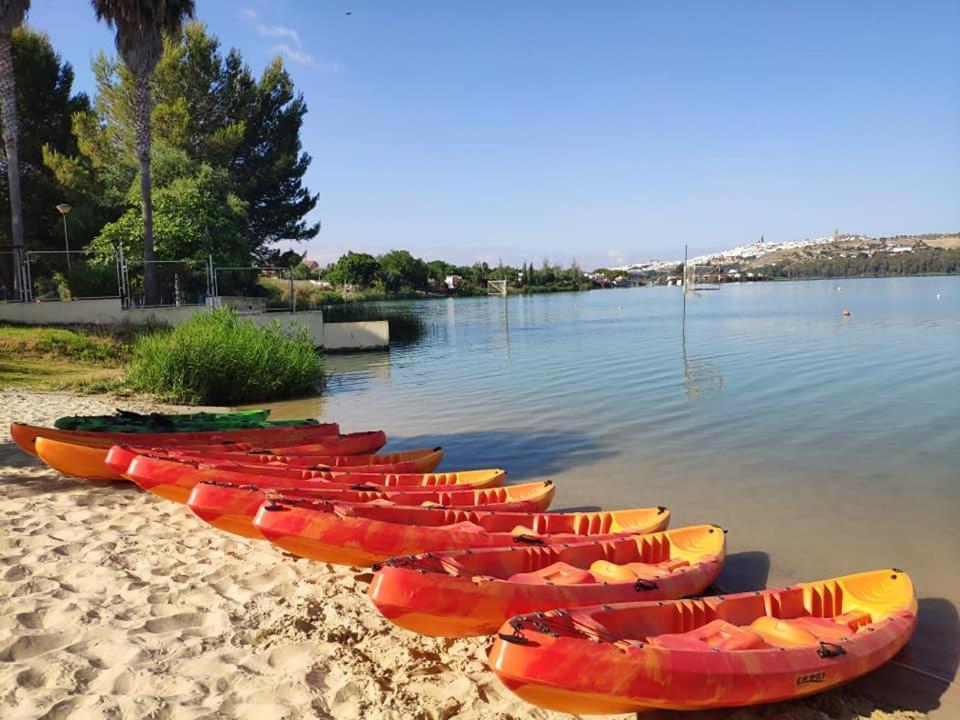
<point>12,13</point>
<point>140,26</point>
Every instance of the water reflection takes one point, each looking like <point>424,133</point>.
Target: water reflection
<point>365,365</point>
<point>701,377</point>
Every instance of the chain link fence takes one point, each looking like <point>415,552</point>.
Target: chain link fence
<point>56,275</point>
<point>13,278</point>
<point>60,275</point>
<point>256,289</point>
<point>178,282</point>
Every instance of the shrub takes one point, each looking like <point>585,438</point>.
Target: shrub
<point>220,359</point>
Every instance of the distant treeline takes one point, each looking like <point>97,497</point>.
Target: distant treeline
<point>924,261</point>
<point>399,273</point>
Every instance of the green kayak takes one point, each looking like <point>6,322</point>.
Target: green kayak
<point>126,421</point>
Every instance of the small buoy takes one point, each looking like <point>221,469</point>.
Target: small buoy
<point>938,296</point>
<point>619,307</point>
<point>846,313</point>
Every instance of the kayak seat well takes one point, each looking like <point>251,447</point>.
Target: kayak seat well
<point>558,573</point>
<point>561,573</point>
<point>799,631</point>
<point>718,635</point>
<point>606,571</point>
<point>464,527</point>
<point>764,632</point>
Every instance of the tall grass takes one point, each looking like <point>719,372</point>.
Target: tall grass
<point>406,325</point>
<point>220,359</point>
<point>86,344</point>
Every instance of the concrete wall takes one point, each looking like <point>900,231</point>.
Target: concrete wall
<point>332,336</point>
<point>103,312</point>
<point>356,335</point>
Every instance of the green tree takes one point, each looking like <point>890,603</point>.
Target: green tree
<point>45,104</point>
<point>140,26</point>
<point>195,214</point>
<point>217,111</point>
<point>358,269</point>
<point>302,271</point>
<point>226,116</point>
<point>399,269</point>
<point>269,165</point>
<point>12,13</point>
<point>439,269</point>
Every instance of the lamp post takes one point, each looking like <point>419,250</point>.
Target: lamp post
<point>64,209</point>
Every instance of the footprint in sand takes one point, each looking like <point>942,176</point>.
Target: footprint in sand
<point>63,614</point>
<point>291,658</point>
<point>180,621</point>
<point>68,549</point>
<point>35,586</point>
<point>28,646</point>
<point>31,678</point>
<point>32,620</point>
<point>16,573</point>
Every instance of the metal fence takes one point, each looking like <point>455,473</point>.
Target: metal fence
<point>178,282</point>
<point>14,285</point>
<point>54,275</point>
<point>57,275</point>
<point>271,287</point>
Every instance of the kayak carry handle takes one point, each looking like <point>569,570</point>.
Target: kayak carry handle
<point>529,539</point>
<point>642,584</point>
<point>830,650</point>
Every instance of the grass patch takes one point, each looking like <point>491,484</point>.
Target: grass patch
<point>46,374</point>
<point>219,358</point>
<point>86,345</point>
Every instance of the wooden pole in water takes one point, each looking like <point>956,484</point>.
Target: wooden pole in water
<point>683,279</point>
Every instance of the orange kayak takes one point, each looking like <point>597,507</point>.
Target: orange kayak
<point>366,534</point>
<point>409,461</point>
<point>232,507</point>
<point>727,651</point>
<point>174,480</point>
<point>25,435</point>
<point>472,592</point>
<point>90,462</point>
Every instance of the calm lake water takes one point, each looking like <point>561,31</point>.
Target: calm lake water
<point>825,445</point>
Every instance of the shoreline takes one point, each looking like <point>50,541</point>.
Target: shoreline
<point>118,603</point>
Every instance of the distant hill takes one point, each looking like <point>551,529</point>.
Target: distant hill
<point>838,255</point>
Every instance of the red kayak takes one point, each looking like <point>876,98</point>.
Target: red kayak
<point>25,435</point>
<point>174,480</point>
<point>232,507</point>
<point>360,443</point>
<point>407,461</point>
<point>91,462</point>
<point>711,652</point>
<point>473,592</point>
<point>364,534</point>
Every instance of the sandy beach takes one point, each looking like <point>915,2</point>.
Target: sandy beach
<point>117,604</point>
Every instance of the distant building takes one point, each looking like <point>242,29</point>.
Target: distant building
<point>453,281</point>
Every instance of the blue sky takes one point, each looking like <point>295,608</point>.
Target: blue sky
<point>609,132</point>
